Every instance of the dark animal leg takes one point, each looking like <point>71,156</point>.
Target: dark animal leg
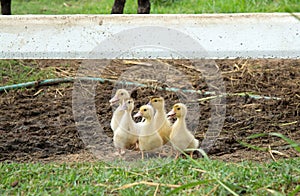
<point>6,7</point>
<point>144,6</point>
<point>118,7</point>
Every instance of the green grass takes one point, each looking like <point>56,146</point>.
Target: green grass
<point>197,178</point>
<point>158,6</point>
<point>18,71</point>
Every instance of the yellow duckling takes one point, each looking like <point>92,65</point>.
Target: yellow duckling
<point>125,136</point>
<point>161,122</point>
<point>120,96</point>
<point>180,137</point>
<point>149,139</point>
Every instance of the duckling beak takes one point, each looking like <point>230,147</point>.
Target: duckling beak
<point>171,114</point>
<point>149,103</point>
<point>138,114</point>
<point>114,100</point>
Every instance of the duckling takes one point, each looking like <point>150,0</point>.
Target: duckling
<point>149,139</point>
<point>125,136</point>
<point>180,137</point>
<point>120,96</point>
<point>162,124</point>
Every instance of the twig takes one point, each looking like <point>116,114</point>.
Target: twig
<point>129,62</point>
<point>231,78</point>
<point>270,152</point>
<point>100,184</point>
<point>286,124</point>
<point>250,105</point>
<point>199,170</point>
<point>213,190</point>
<point>190,67</point>
<point>63,71</point>
<point>280,153</point>
<point>29,72</point>
<point>156,190</point>
<point>237,68</point>
<point>58,91</point>
<point>126,186</point>
<point>38,92</point>
<point>111,71</point>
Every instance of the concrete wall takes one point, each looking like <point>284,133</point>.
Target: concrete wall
<point>150,36</point>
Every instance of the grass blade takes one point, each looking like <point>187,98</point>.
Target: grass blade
<point>293,143</point>
<point>295,192</point>
<point>192,184</point>
<point>226,187</point>
<point>257,135</point>
<point>252,146</point>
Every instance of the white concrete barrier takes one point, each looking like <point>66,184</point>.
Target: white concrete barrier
<point>259,35</point>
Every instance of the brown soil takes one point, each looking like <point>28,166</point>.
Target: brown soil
<point>38,125</point>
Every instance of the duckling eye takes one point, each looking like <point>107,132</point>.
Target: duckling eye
<point>129,101</point>
<point>145,110</point>
<point>155,100</point>
<point>122,93</point>
<point>178,108</point>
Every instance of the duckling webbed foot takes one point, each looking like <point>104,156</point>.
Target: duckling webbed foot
<point>120,152</point>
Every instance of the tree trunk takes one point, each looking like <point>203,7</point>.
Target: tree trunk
<point>118,7</point>
<point>144,6</point>
<point>6,7</point>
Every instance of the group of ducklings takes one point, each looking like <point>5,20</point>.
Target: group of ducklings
<point>154,130</point>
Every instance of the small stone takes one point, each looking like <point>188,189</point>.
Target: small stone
<point>15,183</point>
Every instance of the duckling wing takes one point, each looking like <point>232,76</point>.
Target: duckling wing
<point>116,118</point>
<point>165,132</point>
<point>163,126</point>
<point>133,130</point>
<point>181,141</point>
<point>121,139</point>
<point>181,138</point>
<point>151,142</point>
<point>194,144</point>
<point>125,135</point>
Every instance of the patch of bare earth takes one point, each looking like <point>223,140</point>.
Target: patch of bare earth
<point>37,124</point>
